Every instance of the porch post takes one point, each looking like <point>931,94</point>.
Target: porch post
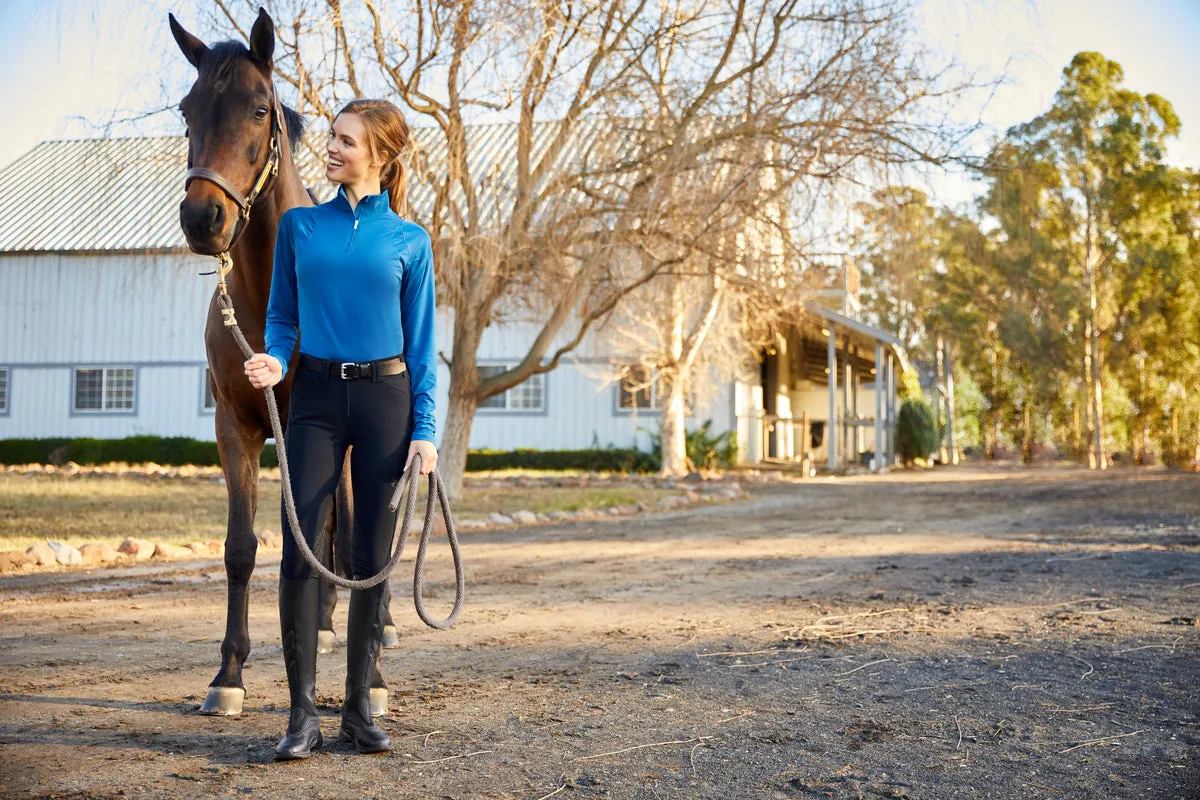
<point>831,423</point>
<point>880,462</point>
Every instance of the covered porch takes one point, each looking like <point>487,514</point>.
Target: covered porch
<point>826,367</point>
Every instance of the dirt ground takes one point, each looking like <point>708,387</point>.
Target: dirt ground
<point>962,633</point>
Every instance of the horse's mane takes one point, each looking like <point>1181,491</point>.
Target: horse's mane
<point>219,62</point>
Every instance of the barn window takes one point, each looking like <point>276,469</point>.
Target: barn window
<point>528,395</point>
<point>104,389</point>
<point>638,391</point>
<point>208,402</point>
<point>3,390</point>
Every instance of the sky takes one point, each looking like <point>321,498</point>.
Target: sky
<point>83,68</point>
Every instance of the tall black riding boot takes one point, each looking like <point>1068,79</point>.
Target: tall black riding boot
<point>298,626</point>
<point>364,630</point>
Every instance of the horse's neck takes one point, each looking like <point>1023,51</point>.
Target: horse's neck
<point>253,254</point>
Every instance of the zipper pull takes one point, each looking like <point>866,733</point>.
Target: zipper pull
<point>355,224</point>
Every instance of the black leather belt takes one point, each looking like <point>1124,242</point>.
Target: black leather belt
<point>353,370</point>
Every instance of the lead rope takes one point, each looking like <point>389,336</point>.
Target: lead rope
<point>408,482</point>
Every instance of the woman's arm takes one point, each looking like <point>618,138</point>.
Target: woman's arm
<point>283,316</point>
<point>418,318</point>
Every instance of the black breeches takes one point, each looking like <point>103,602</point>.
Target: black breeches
<point>326,416</point>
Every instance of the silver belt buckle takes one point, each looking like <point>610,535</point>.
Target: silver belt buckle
<point>346,365</point>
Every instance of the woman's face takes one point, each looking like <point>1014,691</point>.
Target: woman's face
<point>350,161</point>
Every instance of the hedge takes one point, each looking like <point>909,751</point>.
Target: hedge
<point>172,451</point>
<point>180,450</point>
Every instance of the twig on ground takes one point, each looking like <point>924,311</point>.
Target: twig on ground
<point>1047,788</point>
<point>864,666</point>
<point>1170,647</point>
<point>1101,740</point>
<point>741,653</point>
<point>1073,602</point>
<point>431,733</point>
<point>946,686</point>
<point>1080,558</point>
<point>556,791</point>
<point>1101,707</point>
<point>692,757</point>
<point>731,719</point>
<point>958,725</point>
<point>769,663</point>
<point>1087,664</point>
<point>643,747</point>
<point>451,758</point>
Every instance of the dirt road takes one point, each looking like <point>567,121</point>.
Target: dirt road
<point>964,633</point>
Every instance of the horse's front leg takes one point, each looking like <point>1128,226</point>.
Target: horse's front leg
<point>240,448</point>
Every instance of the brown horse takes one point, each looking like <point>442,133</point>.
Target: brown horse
<point>234,132</point>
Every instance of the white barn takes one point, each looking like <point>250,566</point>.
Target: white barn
<point>104,308</point>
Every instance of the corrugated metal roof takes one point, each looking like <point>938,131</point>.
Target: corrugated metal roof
<point>124,193</point>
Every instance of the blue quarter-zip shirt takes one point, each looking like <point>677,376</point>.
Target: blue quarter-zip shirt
<point>356,285</point>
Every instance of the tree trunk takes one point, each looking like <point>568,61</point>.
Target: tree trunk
<point>1089,417</point>
<point>673,432</point>
<point>460,411</point>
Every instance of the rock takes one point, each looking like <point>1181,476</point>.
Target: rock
<point>543,517</point>
<point>468,524</point>
<point>70,468</point>
<point>269,539</point>
<point>625,510</point>
<point>692,497</point>
<point>97,553</point>
<point>11,560</point>
<point>41,554</point>
<point>164,550</point>
<point>674,501</point>
<point>693,477</point>
<point>558,515</point>
<point>215,548</point>
<point>496,518</point>
<point>66,555</point>
<point>137,549</point>
<point>524,517</point>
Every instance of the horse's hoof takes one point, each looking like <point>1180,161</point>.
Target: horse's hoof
<point>324,641</point>
<point>223,701</point>
<point>390,638</point>
<point>379,699</point>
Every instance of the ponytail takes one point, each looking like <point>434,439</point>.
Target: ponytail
<point>394,178</point>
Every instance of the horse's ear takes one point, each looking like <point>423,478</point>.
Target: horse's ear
<point>193,49</point>
<point>262,38</point>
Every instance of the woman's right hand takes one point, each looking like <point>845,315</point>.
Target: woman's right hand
<point>263,370</point>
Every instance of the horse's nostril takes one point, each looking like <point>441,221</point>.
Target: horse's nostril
<point>214,217</point>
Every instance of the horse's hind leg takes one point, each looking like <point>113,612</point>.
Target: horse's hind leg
<point>240,448</point>
<point>390,637</point>
<point>335,554</point>
<point>326,591</point>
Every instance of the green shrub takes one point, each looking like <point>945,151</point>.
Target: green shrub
<point>166,450</point>
<point>704,450</point>
<point>916,431</point>
<point>594,460</point>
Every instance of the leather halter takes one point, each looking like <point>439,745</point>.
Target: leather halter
<point>264,181</point>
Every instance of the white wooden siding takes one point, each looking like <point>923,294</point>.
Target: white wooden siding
<point>59,311</point>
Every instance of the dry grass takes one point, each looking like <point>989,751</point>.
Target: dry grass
<point>78,510</point>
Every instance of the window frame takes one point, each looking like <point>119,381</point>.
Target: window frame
<point>7,393</point>
<point>206,410</point>
<point>655,406</point>
<point>75,411</point>
<point>508,410</point>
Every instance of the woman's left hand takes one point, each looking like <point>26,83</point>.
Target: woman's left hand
<point>429,455</point>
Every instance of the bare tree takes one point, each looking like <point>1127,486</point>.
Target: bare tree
<point>612,106</point>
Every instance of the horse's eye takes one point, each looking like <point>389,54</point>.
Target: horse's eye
<point>261,113</point>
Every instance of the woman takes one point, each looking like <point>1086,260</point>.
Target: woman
<point>357,279</point>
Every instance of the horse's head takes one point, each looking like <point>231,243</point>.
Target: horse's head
<point>230,112</point>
